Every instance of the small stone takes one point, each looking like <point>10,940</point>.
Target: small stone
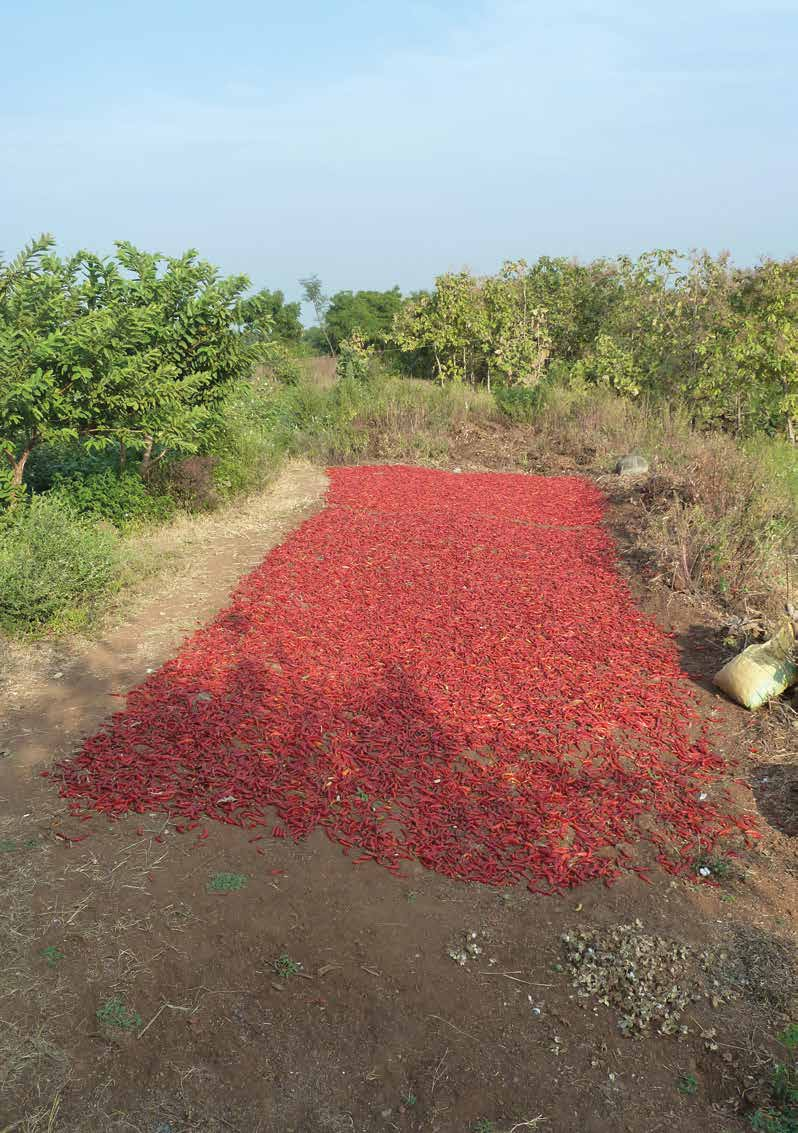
<point>632,465</point>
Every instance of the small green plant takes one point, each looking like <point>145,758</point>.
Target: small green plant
<point>7,846</point>
<point>285,967</point>
<point>227,882</point>
<point>409,1099</point>
<point>484,1125</point>
<point>520,403</point>
<point>114,1013</point>
<point>717,866</point>
<point>411,896</point>
<point>687,1085</point>
<point>781,1114</point>
<point>52,955</point>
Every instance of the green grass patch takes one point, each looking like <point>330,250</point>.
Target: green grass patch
<point>227,882</point>
<point>114,1013</point>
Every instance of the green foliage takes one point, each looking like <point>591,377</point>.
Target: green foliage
<point>283,366</point>
<point>520,403</point>
<point>313,293</point>
<point>123,500</point>
<point>52,955</point>
<point>114,1013</point>
<point>314,341</point>
<point>54,565</point>
<point>266,316</point>
<point>135,350</point>
<point>367,313</point>
<point>781,1114</point>
<point>687,1085</point>
<point>49,463</point>
<point>478,329</point>
<point>354,355</point>
<point>227,882</point>
<point>690,329</point>
<point>578,300</point>
<point>284,966</point>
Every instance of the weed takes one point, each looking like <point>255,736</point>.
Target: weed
<point>52,955</point>
<point>717,866</point>
<point>484,1125</point>
<point>411,896</point>
<point>687,1085</point>
<point>285,967</point>
<point>409,1099</point>
<point>227,882</point>
<point>114,1013</point>
<point>7,846</point>
<point>54,565</point>
<point>781,1114</point>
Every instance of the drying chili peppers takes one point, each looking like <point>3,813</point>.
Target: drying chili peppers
<point>439,666</point>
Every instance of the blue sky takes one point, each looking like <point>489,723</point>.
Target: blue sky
<point>377,144</point>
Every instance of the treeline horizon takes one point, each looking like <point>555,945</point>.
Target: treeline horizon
<point>138,351</point>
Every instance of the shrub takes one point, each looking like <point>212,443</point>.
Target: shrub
<point>123,500</point>
<point>54,565</point>
<point>64,461</point>
<point>520,403</point>
<point>354,359</point>
<point>191,482</point>
<point>248,440</point>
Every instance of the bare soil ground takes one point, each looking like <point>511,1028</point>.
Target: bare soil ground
<point>321,996</point>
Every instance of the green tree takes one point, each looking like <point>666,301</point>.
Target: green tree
<point>766,348</point>
<point>478,329</point>
<point>313,293</point>
<point>578,300</point>
<point>370,313</point>
<point>133,350</point>
<point>266,316</point>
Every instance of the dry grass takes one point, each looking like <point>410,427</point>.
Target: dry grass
<point>720,517</point>
<point>319,370</point>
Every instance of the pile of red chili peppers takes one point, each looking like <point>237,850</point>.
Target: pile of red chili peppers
<point>439,666</point>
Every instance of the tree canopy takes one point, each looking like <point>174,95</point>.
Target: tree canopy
<point>369,313</point>
<point>136,349</point>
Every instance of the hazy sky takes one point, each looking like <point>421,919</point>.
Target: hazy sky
<point>384,143</point>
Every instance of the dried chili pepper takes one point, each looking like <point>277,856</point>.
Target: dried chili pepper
<point>441,667</point>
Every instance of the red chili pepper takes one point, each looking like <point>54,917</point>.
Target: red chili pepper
<point>430,669</point>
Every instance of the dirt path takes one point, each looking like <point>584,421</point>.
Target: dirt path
<point>290,992</point>
<point>52,696</point>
